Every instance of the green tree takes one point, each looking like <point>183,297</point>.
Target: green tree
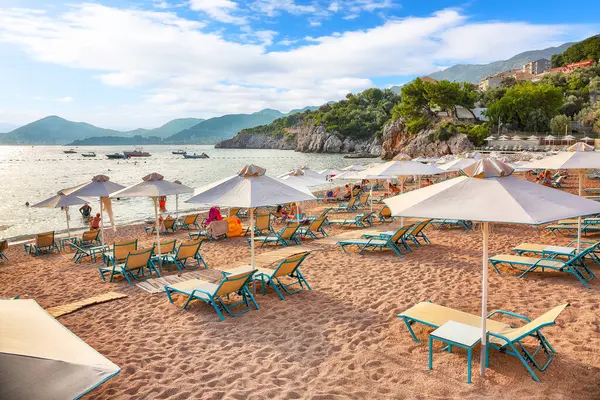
<point>588,49</point>
<point>414,103</point>
<point>571,106</point>
<point>560,124</point>
<point>492,95</point>
<point>443,94</point>
<point>517,105</point>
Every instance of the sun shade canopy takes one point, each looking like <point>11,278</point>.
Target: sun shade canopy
<point>153,185</point>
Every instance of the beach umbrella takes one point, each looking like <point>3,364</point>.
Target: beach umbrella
<point>249,188</point>
<point>457,165</point>
<point>586,139</point>
<point>581,146</point>
<point>354,167</point>
<point>569,138</point>
<point>42,359</point>
<point>61,200</point>
<point>503,137</point>
<point>154,186</point>
<point>490,138</point>
<point>301,180</point>
<point>516,137</point>
<point>488,194</point>
<point>100,186</point>
<point>533,138</point>
<point>550,138</point>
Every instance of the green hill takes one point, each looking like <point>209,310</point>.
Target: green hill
<point>214,129</point>
<point>168,129</point>
<point>475,72</point>
<point>588,49</point>
<point>55,130</point>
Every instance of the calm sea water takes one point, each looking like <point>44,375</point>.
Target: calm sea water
<point>34,173</point>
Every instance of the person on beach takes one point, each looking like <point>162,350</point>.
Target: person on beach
<point>281,212</point>
<point>95,222</point>
<point>162,203</point>
<point>348,193</point>
<point>85,211</point>
<point>546,179</point>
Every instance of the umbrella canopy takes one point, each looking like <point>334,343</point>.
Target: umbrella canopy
<point>299,177</point>
<point>328,172</point>
<point>402,166</point>
<point>490,138</point>
<point>533,138</point>
<point>580,146</point>
<point>568,160</point>
<point>550,138</point>
<point>586,139</point>
<point>516,137</point>
<point>61,200</point>
<point>42,359</point>
<point>487,193</point>
<point>569,138</point>
<point>458,164</point>
<point>354,167</point>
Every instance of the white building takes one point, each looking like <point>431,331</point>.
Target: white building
<point>537,67</point>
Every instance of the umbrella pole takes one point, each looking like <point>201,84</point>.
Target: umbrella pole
<point>67,215</point>
<point>101,224</point>
<point>401,178</point>
<point>252,238</point>
<point>484,286</point>
<point>371,195</point>
<point>155,199</point>
<point>581,176</point>
<point>176,207</point>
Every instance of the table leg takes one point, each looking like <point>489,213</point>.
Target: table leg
<point>430,352</point>
<point>469,365</point>
<point>449,348</point>
<point>487,353</point>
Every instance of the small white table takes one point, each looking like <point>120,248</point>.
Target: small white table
<point>456,334</point>
<point>559,251</point>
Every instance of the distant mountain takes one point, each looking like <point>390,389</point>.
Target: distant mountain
<point>168,129</point>
<point>54,130</point>
<point>215,129</point>
<point>4,127</point>
<point>136,140</point>
<point>301,110</point>
<point>475,72</point>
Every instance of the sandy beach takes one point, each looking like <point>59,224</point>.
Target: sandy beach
<point>342,340</point>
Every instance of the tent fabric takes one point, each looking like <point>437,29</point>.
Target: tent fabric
<point>153,185</point>
<point>99,186</point>
<point>394,169</point>
<point>568,160</point>
<point>249,191</point>
<point>458,164</point>
<point>41,359</point>
<point>60,200</point>
<point>499,199</point>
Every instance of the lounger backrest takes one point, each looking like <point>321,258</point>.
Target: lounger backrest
<point>363,217</point>
<point>233,283</point>
<point>385,212</point>
<point>138,259</point>
<point>3,245</point>
<point>316,224</point>
<point>188,250</point>
<point>289,231</point>
<point>167,246</point>
<point>419,227</point>
<point>190,219</point>
<point>169,223</point>
<point>233,212</point>
<point>581,254</point>
<point>122,249</point>
<point>352,202</point>
<point>263,222</point>
<point>290,264</point>
<point>45,239</point>
<point>543,320</point>
<point>90,236</point>
<point>400,232</point>
<point>355,192</point>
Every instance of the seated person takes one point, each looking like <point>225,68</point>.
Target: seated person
<point>394,189</point>
<point>281,212</point>
<point>85,211</point>
<point>95,222</point>
<point>547,179</point>
<point>348,192</point>
<point>214,214</point>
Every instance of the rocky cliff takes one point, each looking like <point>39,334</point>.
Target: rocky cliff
<point>309,138</point>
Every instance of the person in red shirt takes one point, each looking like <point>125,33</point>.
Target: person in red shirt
<point>95,222</point>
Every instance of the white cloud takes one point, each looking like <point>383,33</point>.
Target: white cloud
<point>161,4</point>
<point>272,7</point>
<point>314,23</point>
<point>288,42</point>
<point>67,99</point>
<point>182,70</point>
<point>220,10</point>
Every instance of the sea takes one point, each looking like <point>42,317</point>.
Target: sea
<point>30,174</point>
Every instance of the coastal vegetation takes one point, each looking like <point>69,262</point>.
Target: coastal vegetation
<point>588,49</point>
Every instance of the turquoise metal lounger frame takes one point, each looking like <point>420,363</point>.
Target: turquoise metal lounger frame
<point>277,238</point>
<point>181,263</point>
<point>276,283</point>
<point>383,241</point>
<point>122,269</point>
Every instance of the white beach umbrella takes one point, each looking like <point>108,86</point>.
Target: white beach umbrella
<point>61,200</point>
<point>301,180</point>
<point>503,137</point>
<point>550,138</point>
<point>490,138</point>
<point>516,137</point>
<point>569,138</point>
<point>154,186</point>
<point>458,164</point>
<point>100,186</point>
<point>354,167</point>
<point>42,359</point>
<point>249,188</point>
<point>488,194</point>
<point>586,139</point>
<point>581,146</point>
<point>533,138</point>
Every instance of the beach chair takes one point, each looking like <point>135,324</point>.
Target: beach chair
<point>44,242</point>
<point>212,294</point>
<point>418,234</point>
<point>246,213</point>
<point>351,205</point>
<point>570,226</point>
<point>262,225</point>
<point>284,237</point>
<point>92,251</point>
<point>135,266</point>
<point>502,337</point>
<point>186,251</point>
<point>190,222</point>
<point>288,267</point>
<point>167,247</point>
<point>233,212</point>
<point>119,252</point>
<point>574,266</point>
<point>438,223</point>
<point>169,224</point>
<point>385,215</point>
<point>360,221</point>
<point>557,183</point>
<point>551,251</point>
<point>3,248</point>
<point>316,226</point>
<point>396,242</point>
<point>88,239</point>
<point>363,200</point>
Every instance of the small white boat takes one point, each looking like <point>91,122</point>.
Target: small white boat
<point>89,154</point>
<point>203,155</point>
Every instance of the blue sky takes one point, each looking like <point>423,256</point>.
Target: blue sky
<point>128,64</point>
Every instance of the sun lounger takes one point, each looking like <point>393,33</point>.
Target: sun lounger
<point>451,223</point>
<point>417,234</point>
<point>284,237</point>
<point>363,200</point>
<point>213,294</point>
<point>396,242</point>
<point>351,205</point>
<point>88,251</point>
<point>44,242</point>
<point>3,248</point>
<point>575,266</point>
<point>169,224</point>
<point>503,337</point>
<point>89,238</point>
<point>233,212</point>
<point>135,266</point>
<point>587,225</point>
<point>360,221</point>
<point>317,226</point>
<point>167,247</point>
<point>185,251</point>
<point>262,225</point>
<point>550,251</point>
<point>214,231</point>
<point>119,253</point>
<point>190,222</point>
<point>385,214</point>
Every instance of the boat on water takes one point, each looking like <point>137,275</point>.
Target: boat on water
<point>203,155</point>
<point>117,156</point>
<point>89,154</point>
<point>70,151</point>
<point>137,153</point>
<point>179,152</point>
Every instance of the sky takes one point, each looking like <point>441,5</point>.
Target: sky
<point>126,64</point>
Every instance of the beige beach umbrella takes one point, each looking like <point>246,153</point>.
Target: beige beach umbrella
<point>100,186</point>
<point>488,194</point>
<point>154,186</point>
<point>61,200</point>
<point>42,359</point>
<point>580,146</point>
<point>249,188</point>
<point>457,164</point>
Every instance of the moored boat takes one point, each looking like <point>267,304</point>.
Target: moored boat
<point>137,153</point>
<point>203,155</point>
<point>116,156</point>
<point>89,154</point>
<point>70,151</point>
<point>179,152</point>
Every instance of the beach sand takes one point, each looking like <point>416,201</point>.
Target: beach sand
<point>342,340</point>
